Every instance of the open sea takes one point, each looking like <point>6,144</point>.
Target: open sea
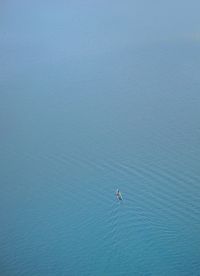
<point>97,96</point>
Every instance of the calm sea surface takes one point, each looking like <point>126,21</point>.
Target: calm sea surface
<point>86,109</point>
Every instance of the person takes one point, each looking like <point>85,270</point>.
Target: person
<point>118,194</point>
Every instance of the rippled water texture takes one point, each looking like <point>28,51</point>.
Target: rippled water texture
<point>80,119</point>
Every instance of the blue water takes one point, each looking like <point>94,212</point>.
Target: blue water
<point>89,103</point>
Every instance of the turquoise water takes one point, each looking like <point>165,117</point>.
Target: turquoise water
<point>79,121</point>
